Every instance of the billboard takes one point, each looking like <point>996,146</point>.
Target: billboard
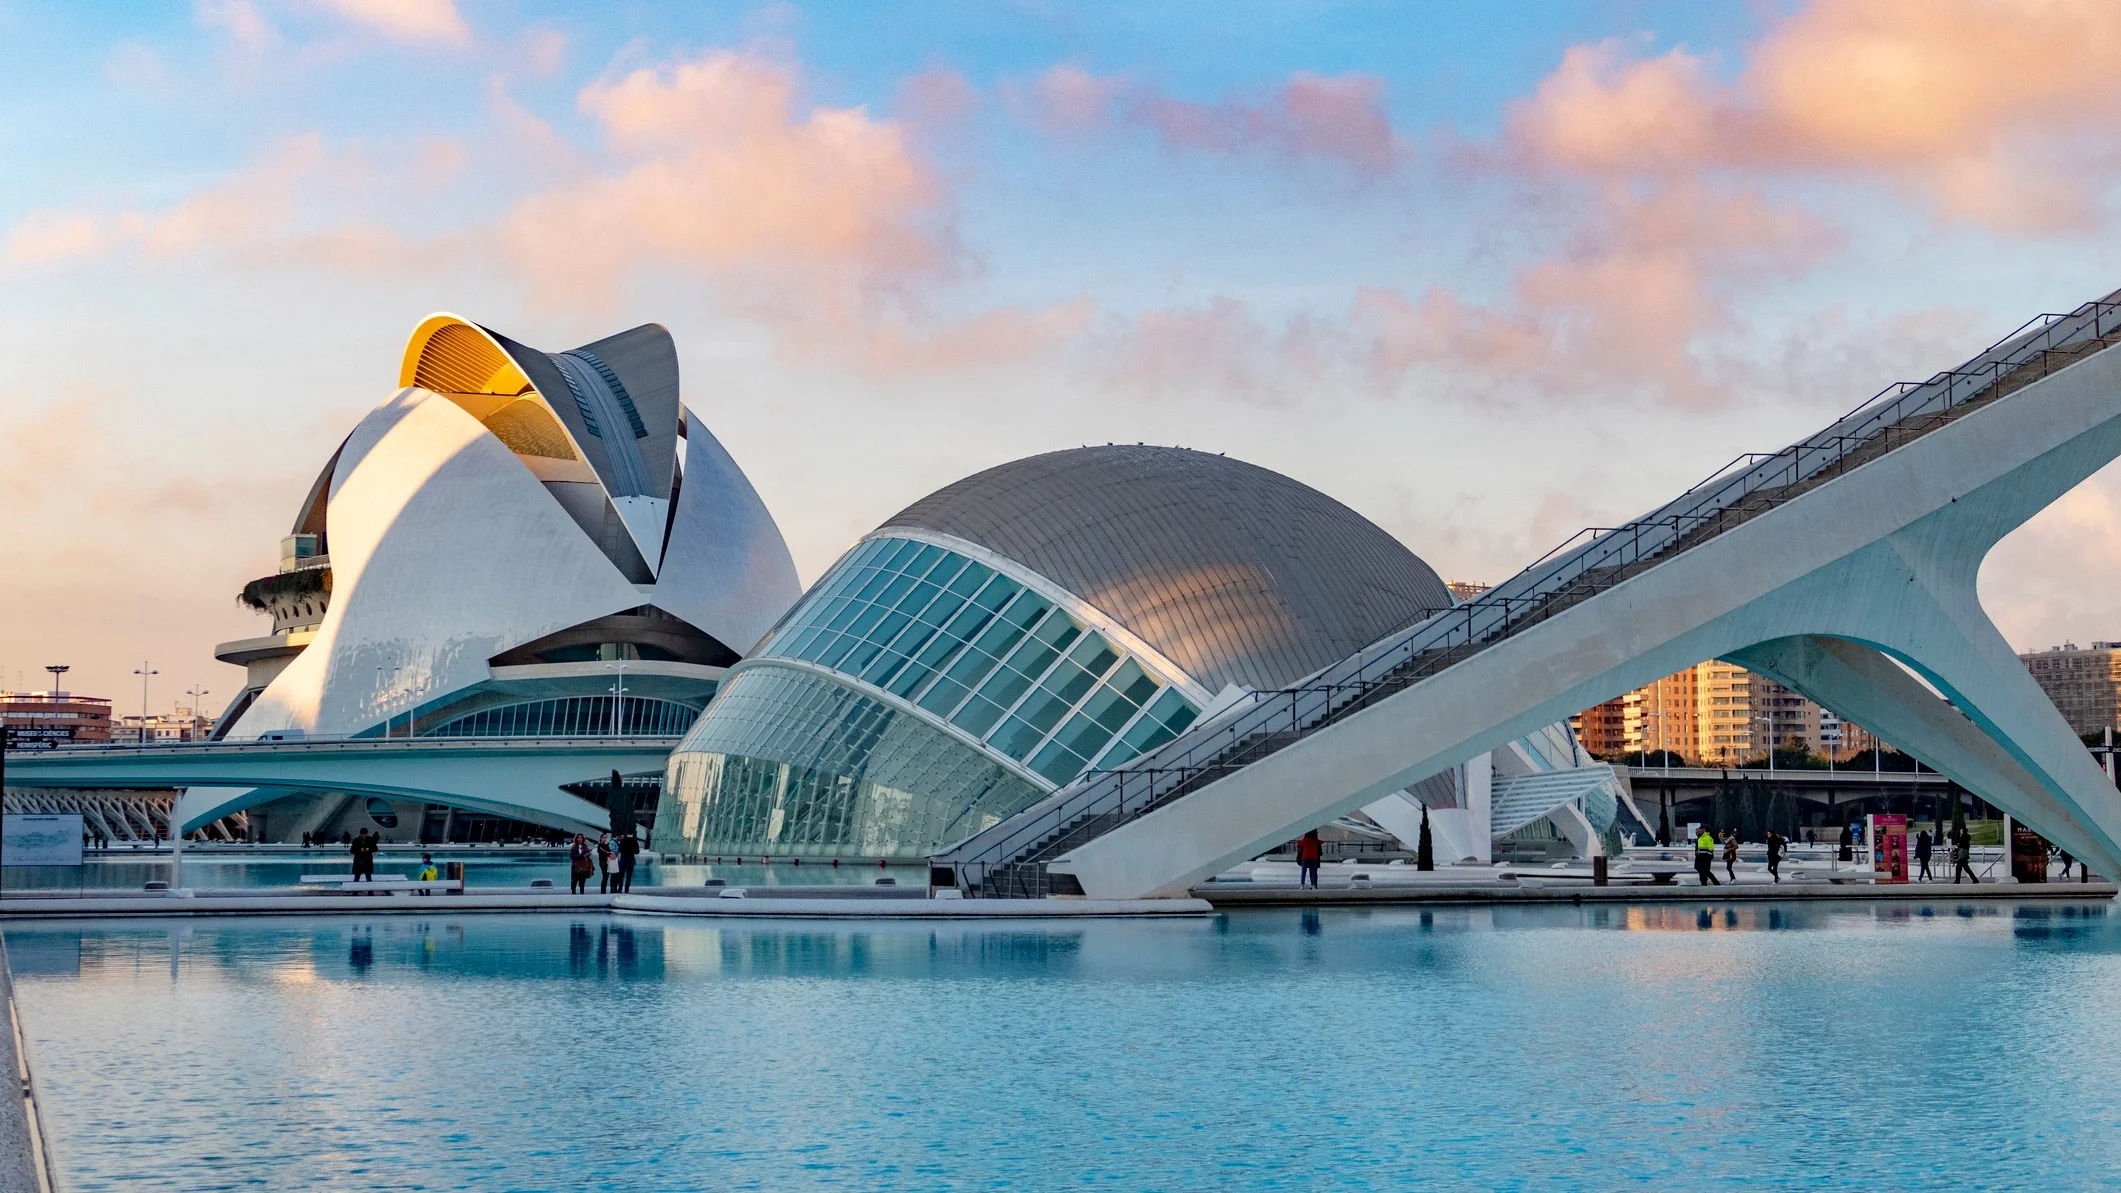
<point>41,839</point>
<point>1889,847</point>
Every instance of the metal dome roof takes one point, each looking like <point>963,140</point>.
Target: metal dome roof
<point>1235,573</point>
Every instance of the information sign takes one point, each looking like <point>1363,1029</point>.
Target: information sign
<point>23,738</point>
<point>43,839</point>
<point>1889,846</point>
<point>2028,854</point>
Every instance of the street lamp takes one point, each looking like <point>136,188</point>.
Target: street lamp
<point>146,672</point>
<point>196,693</point>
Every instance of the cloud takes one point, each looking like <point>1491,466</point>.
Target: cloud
<point>1629,305</point>
<point>1985,108</point>
<point>936,97</point>
<point>1308,116</point>
<point>239,19</point>
<point>432,21</point>
<point>286,209</point>
<point>714,169</point>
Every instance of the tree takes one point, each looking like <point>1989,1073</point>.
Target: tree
<point>1425,851</point>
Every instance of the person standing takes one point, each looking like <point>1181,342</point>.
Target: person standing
<point>1730,854</point>
<point>364,857</point>
<point>606,856</point>
<point>1922,857</point>
<point>1774,855</point>
<point>629,852</point>
<point>1309,849</point>
<point>1705,858</point>
<point>581,863</point>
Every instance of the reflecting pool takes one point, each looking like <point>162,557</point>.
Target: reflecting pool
<point>482,868</point>
<point>1842,1045</point>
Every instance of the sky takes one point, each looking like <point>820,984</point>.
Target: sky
<point>1486,273</point>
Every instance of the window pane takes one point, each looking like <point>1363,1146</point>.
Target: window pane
<point>978,713</point>
<point>901,551</point>
<point>970,580</point>
<point>1057,763</point>
<point>1015,738</point>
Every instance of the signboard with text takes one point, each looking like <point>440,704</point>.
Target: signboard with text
<point>42,839</point>
<point>23,738</point>
<point>2029,853</point>
<point>1889,847</point>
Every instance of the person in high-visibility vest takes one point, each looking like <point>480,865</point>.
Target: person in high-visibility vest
<point>1705,858</point>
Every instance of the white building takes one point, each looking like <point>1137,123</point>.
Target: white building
<point>516,543</point>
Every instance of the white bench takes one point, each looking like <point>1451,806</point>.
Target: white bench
<point>345,884</point>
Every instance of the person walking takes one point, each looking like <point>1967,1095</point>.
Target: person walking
<point>1730,854</point>
<point>429,872</point>
<point>581,863</point>
<point>1922,857</point>
<point>1705,858</point>
<point>606,857</point>
<point>1309,849</point>
<point>364,857</point>
<point>629,851</point>
<point>1963,857</point>
<point>1775,844</point>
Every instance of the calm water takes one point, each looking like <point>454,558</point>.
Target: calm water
<point>1510,1048</point>
<point>494,868</point>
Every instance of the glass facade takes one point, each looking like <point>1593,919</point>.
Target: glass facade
<point>573,716</point>
<point>788,761</point>
<point>986,654</point>
<point>794,764</point>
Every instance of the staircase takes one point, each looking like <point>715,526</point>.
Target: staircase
<point>1009,859</point>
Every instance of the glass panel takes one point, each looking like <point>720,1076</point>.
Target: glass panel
<point>1164,720</point>
<point>978,713</point>
<point>1015,738</point>
<point>1042,710</point>
<point>1057,764</point>
<point>969,580</point>
<point>943,696</point>
<point>1115,703</point>
<point>946,572</point>
<point>902,550</point>
<point>895,591</point>
<point>924,557</point>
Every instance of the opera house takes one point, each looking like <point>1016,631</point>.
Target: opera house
<point>515,543</point>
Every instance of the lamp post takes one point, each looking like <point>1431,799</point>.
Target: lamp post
<point>197,694</point>
<point>145,673</point>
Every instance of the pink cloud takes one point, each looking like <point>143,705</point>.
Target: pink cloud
<point>1341,119</point>
<point>434,21</point>
<point>718,171</point>
<point>1628,304</point>
<point>1980,106</point>
<point>936,97</point>
<point>1338,118</point>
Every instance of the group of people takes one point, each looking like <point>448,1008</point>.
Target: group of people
<point>1962,843</point>
<point>611,858</point>
<point>1708,845</point>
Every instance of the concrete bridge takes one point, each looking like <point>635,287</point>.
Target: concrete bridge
<point>1842,566</point>
<point>516,777</point>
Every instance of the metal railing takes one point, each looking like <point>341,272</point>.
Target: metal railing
<point>1573,572</point>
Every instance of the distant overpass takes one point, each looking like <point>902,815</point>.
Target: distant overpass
<point>515,777</point>
<point>1804,783</point>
